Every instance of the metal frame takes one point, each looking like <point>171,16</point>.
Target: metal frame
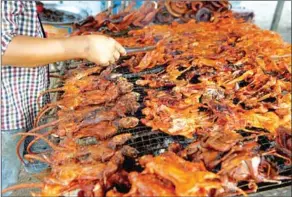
<point>277,15</point>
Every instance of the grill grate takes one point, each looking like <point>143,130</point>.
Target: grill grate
<point>129,75</point>
<point>144,139</point>
<point>153,142</point>
<point>147,141</point>
<point>286,171</point>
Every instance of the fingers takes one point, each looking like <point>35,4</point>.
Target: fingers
<point>117,55</point>
<point>105,64</point>
<point>120,48</point>
<point>112,61</point>
<point>113,54</point>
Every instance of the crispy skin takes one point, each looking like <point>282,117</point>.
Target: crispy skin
<point>169,113</point>
<point>150,185</point>
<point>90,169</point>
<point>94,104</point>
<point>216,68</point>
<point>211,148</point>
<point>170,175</point>
<point>283,141</point>
<point>64,178</point>
<point>103,151</point>
<point>189,179</point>
<point>146,185</point>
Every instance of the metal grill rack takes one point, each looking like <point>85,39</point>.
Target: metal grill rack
<point>132,77</point>
<point>152,142</point>
<point>147,141</point>
<point>144,139</point>
<point>285,171</point>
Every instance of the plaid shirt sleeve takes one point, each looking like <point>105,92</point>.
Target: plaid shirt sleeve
<point>9,11</point>
<point>20,86</point>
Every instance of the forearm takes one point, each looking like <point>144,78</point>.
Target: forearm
<point>31,52</point>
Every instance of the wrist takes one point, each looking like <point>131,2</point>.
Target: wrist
<point>76,47</point>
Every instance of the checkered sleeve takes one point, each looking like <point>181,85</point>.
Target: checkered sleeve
<point>9,11</point>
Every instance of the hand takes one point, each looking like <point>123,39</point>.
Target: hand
<point>103,50</point>
<point>38,51</point>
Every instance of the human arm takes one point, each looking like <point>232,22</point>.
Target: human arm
<point>19,20</point>
<point>31,51</point>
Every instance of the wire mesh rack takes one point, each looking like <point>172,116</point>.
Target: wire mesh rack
<point>134,76</point>
<point>147,141</point>
<point>285,171</point>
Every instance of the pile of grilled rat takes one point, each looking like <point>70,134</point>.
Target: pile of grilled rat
<point>225,75</point>
<point>90,153</point>
<point>229,87</point>
<point>161,12</point>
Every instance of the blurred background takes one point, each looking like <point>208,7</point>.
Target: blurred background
<point>264,12</point>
